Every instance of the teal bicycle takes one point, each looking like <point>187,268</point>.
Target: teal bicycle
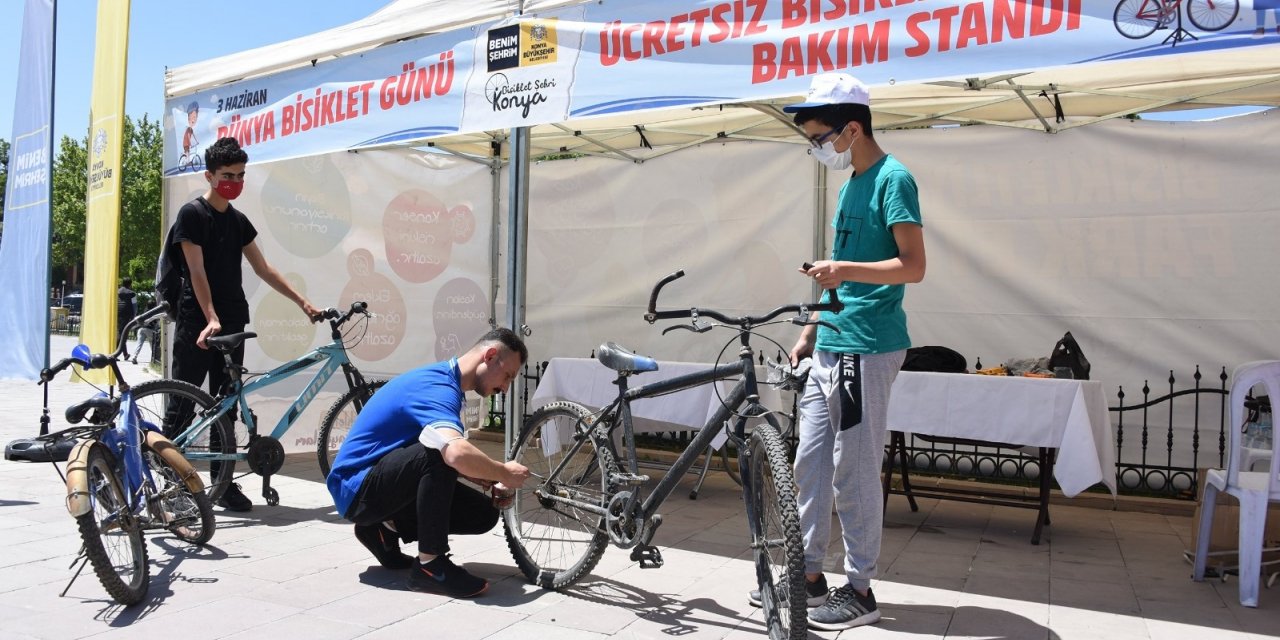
<point>202,426</point>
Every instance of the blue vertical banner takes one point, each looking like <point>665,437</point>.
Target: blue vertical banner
<point>24,249</point>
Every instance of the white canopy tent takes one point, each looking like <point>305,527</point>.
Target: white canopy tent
<point>1053,99</point>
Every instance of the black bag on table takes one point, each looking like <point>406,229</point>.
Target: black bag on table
<point>1067,353</point>
<point>934,358</point>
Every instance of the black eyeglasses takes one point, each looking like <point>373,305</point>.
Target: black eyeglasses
<point>818,141</point>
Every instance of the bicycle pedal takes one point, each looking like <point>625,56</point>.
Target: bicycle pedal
<point>648,557</point>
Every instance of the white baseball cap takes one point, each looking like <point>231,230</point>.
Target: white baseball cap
<point>833,88</point>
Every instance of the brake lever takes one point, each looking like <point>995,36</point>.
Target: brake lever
<point>687,327</point>
<point>804,322</point>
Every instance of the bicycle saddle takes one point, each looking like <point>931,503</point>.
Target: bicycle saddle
<point>229,341</point>
<point>104,406</point>
<point>618,358</point>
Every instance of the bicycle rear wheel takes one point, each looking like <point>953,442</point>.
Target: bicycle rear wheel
<point>337,423</point>
<point>774,520</point>
<point>1137,19</point>
<point>555,544</point>
<point>112,537</point>
<point>173,406</point>
<point>1212,15</point>
<point>187,515</point>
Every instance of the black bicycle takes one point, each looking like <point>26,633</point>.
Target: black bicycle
<point>589,491</point>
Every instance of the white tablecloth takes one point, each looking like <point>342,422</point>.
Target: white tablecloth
<point>589,383</point>
<point>1067,415</point>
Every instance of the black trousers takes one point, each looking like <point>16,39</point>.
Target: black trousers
<point>414,488</point>
<point>193,364</point>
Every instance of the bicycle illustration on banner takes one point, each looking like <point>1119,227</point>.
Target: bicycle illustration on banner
<point>1138,19</point>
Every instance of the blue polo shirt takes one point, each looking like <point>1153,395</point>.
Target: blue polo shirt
<point>426,397</point>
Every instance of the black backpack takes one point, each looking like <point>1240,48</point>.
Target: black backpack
<point>934,358</point>
<point>169,276</point>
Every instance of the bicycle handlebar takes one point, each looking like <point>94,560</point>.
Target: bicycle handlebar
<point>653,315</point>
<point>98,360</point>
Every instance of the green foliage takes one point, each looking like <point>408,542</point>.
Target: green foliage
<point>140,202</point>
<point>4,173</point>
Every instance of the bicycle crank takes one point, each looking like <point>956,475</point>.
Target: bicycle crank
<point>265,457</point>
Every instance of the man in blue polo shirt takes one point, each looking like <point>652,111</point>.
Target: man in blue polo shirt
<point>396,475</point>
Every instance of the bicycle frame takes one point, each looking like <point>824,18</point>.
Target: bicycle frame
<point>744,393</point>
<point>333,355</point>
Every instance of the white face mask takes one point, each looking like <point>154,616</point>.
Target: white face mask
<point>836,161</point>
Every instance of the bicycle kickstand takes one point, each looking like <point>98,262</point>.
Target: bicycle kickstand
<point>83,559</point>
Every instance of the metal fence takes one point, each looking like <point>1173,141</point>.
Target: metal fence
<point>1161,439</point>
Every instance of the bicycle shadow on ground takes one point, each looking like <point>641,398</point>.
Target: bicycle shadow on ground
<point>174,553</point>
<point>281,515</point>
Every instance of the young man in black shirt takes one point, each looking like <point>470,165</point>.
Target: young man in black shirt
<point>213,237</point>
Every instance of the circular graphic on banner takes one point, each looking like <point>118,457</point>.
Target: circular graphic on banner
<point>307,206</point>
<point>460,314</point>
<point>464,223</point>
<point>284,332</point>
<point>386,303</point>
<point>419,233</point>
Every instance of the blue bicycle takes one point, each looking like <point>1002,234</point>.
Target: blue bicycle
<point>123,477</point>
<point>202,425</point>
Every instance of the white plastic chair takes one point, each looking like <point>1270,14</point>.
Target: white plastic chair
<point>1254,489</point>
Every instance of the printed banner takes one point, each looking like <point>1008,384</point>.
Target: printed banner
<point>24,251</point>
<point>400,92</point>
<point>102,225</point>
<point>605,58</point>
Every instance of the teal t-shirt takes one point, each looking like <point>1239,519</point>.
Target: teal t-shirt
<point>870,204</point>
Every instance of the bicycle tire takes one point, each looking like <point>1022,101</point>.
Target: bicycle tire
<point>1212,18</point>
<point>1136,19</point>
<point>338,420</point>
<point>153,399</point>
<point>112,536</point>
<point>546,561</point>
<point>192,512</point>
<point>774,520</point>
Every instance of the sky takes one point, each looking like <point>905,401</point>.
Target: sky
<point>162,33</point>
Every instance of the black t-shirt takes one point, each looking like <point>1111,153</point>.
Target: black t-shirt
<point>221,238</point>
<point>125,304</point>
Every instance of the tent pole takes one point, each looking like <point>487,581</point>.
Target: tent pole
<point>819,220</point>
<point>517,243</point>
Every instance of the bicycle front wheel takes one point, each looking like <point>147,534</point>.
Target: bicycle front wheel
<point>173,406</point>
<point>112,537</point>
<point>187,515</point>
<point>1137,19</point>
<point>337,423</point>
<point>774,520</point>
<point>1212,15</point>
<point>554,543</point>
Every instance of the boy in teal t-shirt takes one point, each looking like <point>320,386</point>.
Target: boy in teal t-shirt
<point>877,247</point>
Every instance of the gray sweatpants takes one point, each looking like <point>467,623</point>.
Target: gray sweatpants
<point>843,467</point>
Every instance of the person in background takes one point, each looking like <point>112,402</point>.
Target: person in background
<point>396,474</point>
<point>126,304</point>
<point>877,248</point>
<point>148,333</point>
<point>213,237</point>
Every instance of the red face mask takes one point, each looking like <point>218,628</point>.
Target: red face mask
<point>229,189</point>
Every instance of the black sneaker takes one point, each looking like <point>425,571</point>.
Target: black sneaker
<point>442,576</point>
<point>845,609</point>
<point>233,500</point>
<point>384,544</point>
<point>817,592</point>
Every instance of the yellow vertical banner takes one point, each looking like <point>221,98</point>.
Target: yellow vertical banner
<point>102,225</point>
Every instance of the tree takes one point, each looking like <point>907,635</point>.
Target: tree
<point>140,202</point>
<point>4,174</point>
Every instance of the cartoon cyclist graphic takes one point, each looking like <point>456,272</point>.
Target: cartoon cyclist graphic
<point>191,160</point>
